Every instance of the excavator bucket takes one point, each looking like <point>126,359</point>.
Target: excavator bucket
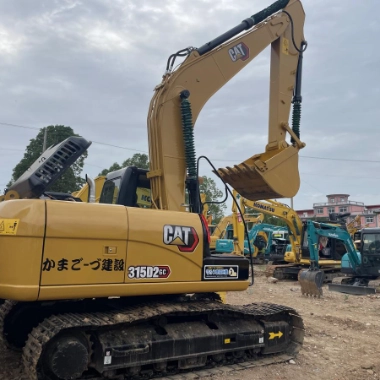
<point>311,281</point>
<point>273,174</point>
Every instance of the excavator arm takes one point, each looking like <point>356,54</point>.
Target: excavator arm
<point>179,98</point>
<point>355,225</point>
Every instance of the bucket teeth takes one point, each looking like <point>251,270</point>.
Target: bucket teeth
<point>273,174</point>
<point>248,182</point>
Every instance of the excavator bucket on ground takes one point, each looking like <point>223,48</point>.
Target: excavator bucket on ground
<point>311,281</point>
<point>273,174</point>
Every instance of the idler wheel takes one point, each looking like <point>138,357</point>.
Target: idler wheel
<point>67,357</point>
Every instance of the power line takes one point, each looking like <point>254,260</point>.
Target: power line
<point>19,150</point>
<point>313,157</point>
<point>19,126</point>
<point>120,147</point>
<point>95,142</point>
<point>337,175</point>
<point>216,159</point>
<point>96,166</point>
<point>338,159</point>
<point>307,183</point>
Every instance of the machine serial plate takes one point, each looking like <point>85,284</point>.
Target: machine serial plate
<point>221,272</point>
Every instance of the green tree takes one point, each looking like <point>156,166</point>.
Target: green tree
<point>213,194</point>
<point>71,179</point>
<point>140,160</point>
<point>274,220</point>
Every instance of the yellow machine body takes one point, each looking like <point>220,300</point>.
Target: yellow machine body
<point>96,256</point>
<point>83,192</point>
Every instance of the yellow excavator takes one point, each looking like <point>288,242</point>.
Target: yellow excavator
<point>294,226</point>
<point>124,288</point>
<point>224,229</point>
<point>231,239</point>
<point>220,230</point>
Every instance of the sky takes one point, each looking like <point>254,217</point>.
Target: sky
<point>93,65</point>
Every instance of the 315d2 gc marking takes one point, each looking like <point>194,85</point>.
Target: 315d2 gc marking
<point>141,271</point>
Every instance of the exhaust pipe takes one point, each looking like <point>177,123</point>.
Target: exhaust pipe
<point>91,189</point>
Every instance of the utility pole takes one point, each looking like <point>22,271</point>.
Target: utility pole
<point>291,203</point>
<point>45,138</point>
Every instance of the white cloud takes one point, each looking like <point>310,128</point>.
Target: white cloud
<point>10,43</point>
<point>99,37</point>
<point>93,65</point>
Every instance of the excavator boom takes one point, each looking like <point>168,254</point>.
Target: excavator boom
<point>182,94</point>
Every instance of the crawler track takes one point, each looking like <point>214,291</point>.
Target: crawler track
<point>88,322</point>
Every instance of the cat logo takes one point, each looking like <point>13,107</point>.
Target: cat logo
<point>239,51</point>
<point>184,237</point>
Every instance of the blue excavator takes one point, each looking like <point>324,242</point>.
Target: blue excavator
<point>261,238</point>
<point>362,275</point>
<point>360,266</point>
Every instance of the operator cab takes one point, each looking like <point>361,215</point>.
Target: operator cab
<point>128,187</point>
<point>329,248</point>
<point>370,250</point>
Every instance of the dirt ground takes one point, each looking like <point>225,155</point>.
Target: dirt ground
<point>341,342</point>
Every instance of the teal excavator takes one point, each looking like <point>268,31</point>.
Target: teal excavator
<point>360,267</point>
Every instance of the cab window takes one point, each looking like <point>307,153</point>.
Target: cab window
<point>305,243</point>
<point>371,243</point>
<point>110,191</point>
